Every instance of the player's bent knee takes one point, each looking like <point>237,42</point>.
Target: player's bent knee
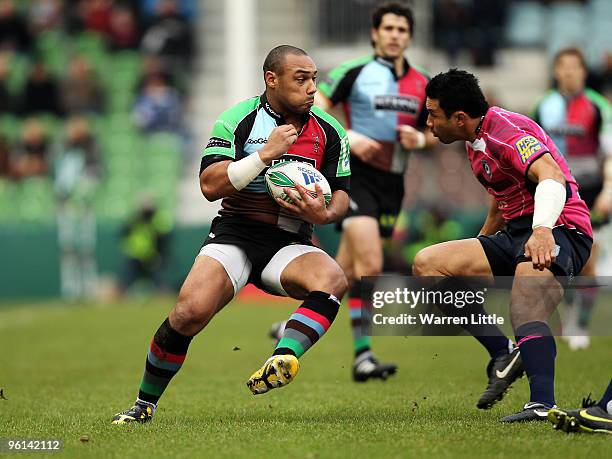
<point>424,263</point>
<point>330,279</point>
<point>189,314</point>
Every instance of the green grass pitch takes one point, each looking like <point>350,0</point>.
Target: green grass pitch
<point>66,369</point>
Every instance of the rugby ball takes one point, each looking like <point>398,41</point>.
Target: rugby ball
<point>287,173</point>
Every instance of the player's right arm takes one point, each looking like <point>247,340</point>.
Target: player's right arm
<point>223,178</point>
<point>494,222</point>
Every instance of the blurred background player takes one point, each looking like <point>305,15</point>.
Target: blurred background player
<point>578,119</point>
<point>144,240</point>
<point>78,171</point>
<point>593,417</point>
<point>383,98</point>
<point>537,229</point>
<point>256,239</point>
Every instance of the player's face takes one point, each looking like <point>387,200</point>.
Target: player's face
<point>296,85</point>
<point>442,127</point>
<point>569,73</point>
<point>392,36</point>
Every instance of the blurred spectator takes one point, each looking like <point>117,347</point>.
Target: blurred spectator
<point>41,92</point>
<point>123,30</point>
<point>154,66</point>
<point>5,157</point>
<point>144,241</point>
<point>601,80</point>
<point>187,8</point>
<point>488,21</point>
<point>77,172</point>
<point>80,90</point>
<point>450,20</point>
<point>45,15</point>
<point>32,152</point>
<point>169,35</point>
<point>7,104</point>
<point>157,106</point>
<point>94,15</point>
<point>13,30</point>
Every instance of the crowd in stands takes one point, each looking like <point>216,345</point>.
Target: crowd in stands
<point>69,69</point>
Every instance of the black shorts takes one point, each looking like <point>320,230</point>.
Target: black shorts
<point>505,249</point>
<point>377,194</point>
<point>260,241</point>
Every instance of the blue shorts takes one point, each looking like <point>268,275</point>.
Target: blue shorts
<point>506,248</point>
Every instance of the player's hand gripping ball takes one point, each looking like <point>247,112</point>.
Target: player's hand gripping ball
<point>287,173</point>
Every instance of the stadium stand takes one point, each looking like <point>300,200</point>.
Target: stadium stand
<point>133,159</point>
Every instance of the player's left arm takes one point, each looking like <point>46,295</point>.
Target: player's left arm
<point>549,200</point>
<point>313,210</point>
<point>494,221</point>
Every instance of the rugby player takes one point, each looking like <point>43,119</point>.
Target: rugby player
<point>383,97</point>
<point>578,120</point>
<point>537,230</point>
<point>255,239</point>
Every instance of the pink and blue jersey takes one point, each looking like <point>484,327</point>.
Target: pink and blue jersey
<point>507,145</point>
<point>376,101</point>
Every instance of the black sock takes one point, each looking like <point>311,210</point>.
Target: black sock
<point>489,335</point>
<point>538,351</point>
<point>604,403</point>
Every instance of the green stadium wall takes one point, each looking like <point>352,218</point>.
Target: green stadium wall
<point>29,265</point>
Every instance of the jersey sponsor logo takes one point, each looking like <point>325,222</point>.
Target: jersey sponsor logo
<point>404,104</point>
<point>270,110</point>
<point>259,141</point>
<point>526,146</point>
<point>218,142</point>
<point>295,158</point>
<point>567,129</point>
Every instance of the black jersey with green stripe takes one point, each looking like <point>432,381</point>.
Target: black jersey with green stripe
<point>244,130</point>
<point>376,101</point>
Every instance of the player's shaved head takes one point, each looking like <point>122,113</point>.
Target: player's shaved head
<point>276,57</point>
<point>457,90</point>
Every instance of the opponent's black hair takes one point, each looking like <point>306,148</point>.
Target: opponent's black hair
<point>275,58</point>
<point>457,90</point>
<point>397,8</point>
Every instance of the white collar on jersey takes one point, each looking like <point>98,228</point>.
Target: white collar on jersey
<point>478,145</point>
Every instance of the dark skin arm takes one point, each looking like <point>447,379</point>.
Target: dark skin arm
<point>541,245</point>
<point>313,210</point>
<point>214,181</point>
<point>494,221</point>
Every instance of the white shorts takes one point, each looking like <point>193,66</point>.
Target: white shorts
<point>238,267</point>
